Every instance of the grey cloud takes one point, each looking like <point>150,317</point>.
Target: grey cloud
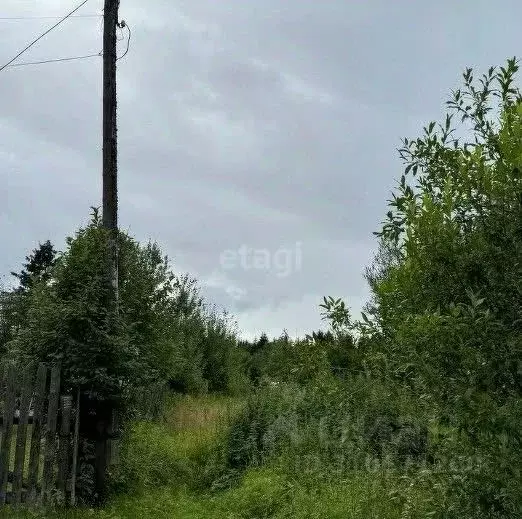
<point>260,123</point>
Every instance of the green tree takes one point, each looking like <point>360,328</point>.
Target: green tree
<point>458,226</point>
<point>446,314</point>
<point>164,330</point>
<point>13,302</point>
<point>37,267</point>
<point>447,293</point>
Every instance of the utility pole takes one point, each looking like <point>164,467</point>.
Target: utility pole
<point>97,420</point>
<point>110,140</point>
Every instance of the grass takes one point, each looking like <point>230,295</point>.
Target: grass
<point>169,465</point>
<point>196,423</point>
<point>264,493</point>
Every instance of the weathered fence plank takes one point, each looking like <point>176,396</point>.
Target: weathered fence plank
<point>76,439</point>
<point>63,458</point>
<point>50,440</point>
<point>34,456</point>
<point>7,430</point>
<point>2,397</point>
<point>21,437</point>
<point>35,465</point>
<point>113,447</point>
<point>2,394</point>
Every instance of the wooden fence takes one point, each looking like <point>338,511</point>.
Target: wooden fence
<point>39,438</point>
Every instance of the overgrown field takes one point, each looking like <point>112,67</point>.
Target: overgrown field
<point>333,450</point>
<point>180,469</point>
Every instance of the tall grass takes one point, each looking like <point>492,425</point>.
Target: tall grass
<point>285,453</point>
<point>264,493</point>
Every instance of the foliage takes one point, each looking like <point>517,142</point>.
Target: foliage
<point>302,360</point>
<point>264,493</point>
<point>68,320</point>
<point>451,306</point>
<point>330,426</point>
<point>446,288</point>
<point>182,450</point>
<point>13,303</point>
<point>337,313</point>
<point>38,266</point>
<point>11,317</point>
<point>163,331</point>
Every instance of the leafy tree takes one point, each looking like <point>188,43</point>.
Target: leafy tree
<point>459,228</point>
<point>446,314</point>
<point>68,320</point>
<point>447,292</point>
<point>260,344</point>
<point>164,331</point>
<point>255,352</point>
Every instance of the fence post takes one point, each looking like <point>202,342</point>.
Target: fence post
<point>34,456</point>
<point>5,444</point>
<point>25,401</point>
<point>76,438</point>
<point>63,459</point>
<point>95,420</point>
<point>52,417</point>
<point>113,439</point>
<point>103,426</point>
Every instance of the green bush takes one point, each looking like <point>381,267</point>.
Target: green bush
<point>302,361</point>
<point>446,290</point>
<point>333,425</point>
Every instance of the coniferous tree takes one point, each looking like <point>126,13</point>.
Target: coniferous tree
<point>37,266</point>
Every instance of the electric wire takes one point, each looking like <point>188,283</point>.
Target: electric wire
<point>56,60</point>
<point>124,24</point>
<point>43,34</point>
<point>121,26</point>
<point>22,18</point>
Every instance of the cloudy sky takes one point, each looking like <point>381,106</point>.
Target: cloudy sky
<point>257,137</point>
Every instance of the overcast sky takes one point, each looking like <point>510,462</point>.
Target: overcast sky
<point>257,137</point>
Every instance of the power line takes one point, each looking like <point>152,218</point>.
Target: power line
<point>44,34</point>
<point>25,64</point>
<point>20,18</point>
<point>122,25</point>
